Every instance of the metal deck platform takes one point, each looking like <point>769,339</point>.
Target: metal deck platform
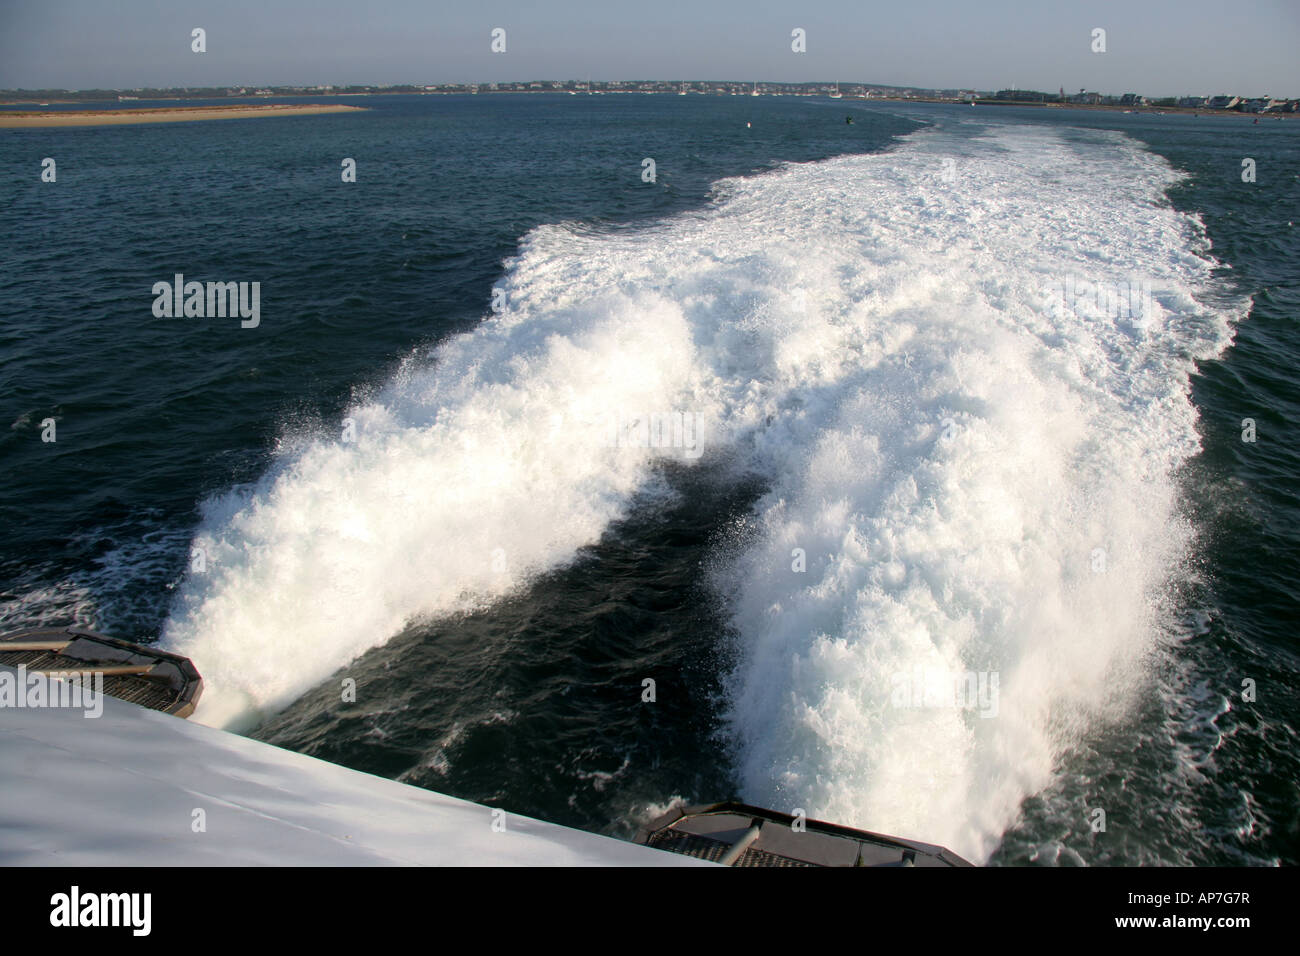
<point>142,675</point>
<point>736,834</point>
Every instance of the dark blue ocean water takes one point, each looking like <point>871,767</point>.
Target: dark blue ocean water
<point>531,700</point>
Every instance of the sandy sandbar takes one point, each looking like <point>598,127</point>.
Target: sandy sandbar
<point>166,114</point>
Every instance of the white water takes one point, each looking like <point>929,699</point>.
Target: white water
<point>832,322</point>
<point>463,480</point>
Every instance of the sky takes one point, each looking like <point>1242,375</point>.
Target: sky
<point>1153,47</point>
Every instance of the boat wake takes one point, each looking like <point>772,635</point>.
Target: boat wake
<point>960,366</point>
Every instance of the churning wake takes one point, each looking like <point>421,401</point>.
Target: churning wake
<point>969,451</point>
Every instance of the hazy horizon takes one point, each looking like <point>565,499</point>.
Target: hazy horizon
<point>1161,48</point>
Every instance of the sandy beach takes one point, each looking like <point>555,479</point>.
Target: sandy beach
<point>167,114</point>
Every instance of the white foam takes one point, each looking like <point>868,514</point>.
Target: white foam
<point>831,322</point>
<point>951,486</point>
<point>464,479</point>
<point>49,606</point>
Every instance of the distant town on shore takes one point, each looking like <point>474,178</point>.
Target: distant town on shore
<point>855,91</point>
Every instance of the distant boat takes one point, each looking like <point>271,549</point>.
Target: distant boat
<point>755,92</point>
<point>837,94</point>
<point>682,91</point>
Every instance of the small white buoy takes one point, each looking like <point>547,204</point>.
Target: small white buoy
<point>747,126</point>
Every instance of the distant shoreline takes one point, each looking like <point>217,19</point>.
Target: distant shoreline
<point>172,114</point>
<point>166,114</point>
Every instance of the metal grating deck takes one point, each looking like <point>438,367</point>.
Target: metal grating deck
<point>154,694</point>
<point>690,844</point>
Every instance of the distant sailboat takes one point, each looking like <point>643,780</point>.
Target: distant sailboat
<point>682,91</point>
<point>837,94</point>
<point>755,92</point>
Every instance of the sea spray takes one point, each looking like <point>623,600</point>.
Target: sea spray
<point>459,482</point>
<point>868,335</point>
<point>986,487</point>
